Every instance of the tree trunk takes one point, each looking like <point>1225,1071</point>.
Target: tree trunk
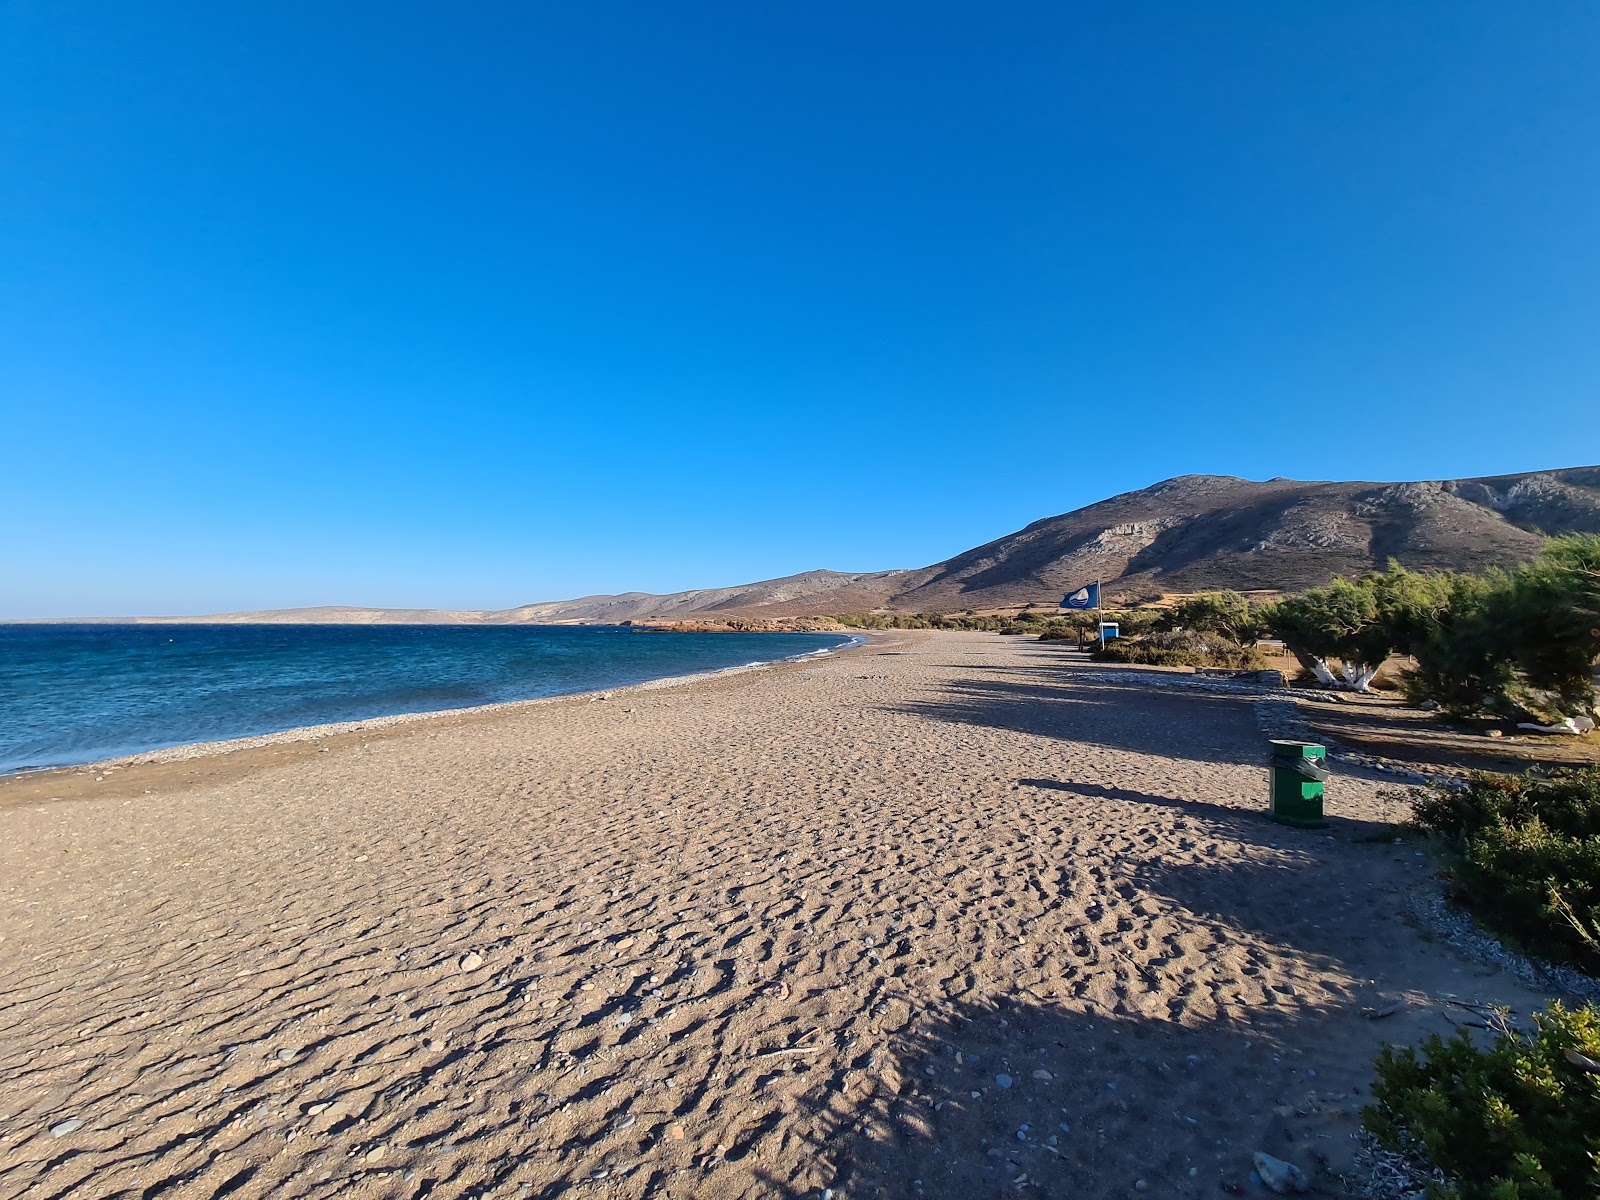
<point>1359,676</point>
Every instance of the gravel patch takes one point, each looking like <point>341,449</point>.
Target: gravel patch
<point>1454,925</point>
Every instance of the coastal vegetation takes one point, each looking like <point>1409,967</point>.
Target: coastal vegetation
<point>1518,644</point>
<point>1045,624</point>
<point>1514,1120</point>
<point>1025,623</point>
<point>1213,629</point>
<point>1226,613</point>
<point>1133,621</point>
<point>1524,857</point>
<point>1512,643</point>
<point>1182,648</point>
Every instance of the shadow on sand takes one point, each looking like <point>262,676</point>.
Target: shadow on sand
<point>1119,1071</point>
<point>1128,1079</point>
<point>1239,823</point>
<point>1006,1096</point>
<point>1124,716</point>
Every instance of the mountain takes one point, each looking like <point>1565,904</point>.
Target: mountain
<point>1192,533</point>
<point>1198,532</point>
<point>1189,534</point>
<point>804,594</point>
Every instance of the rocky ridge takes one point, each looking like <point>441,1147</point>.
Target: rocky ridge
<point>1191,533</point>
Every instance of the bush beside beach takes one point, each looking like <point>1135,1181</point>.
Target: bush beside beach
<point>1524,856</point>
<point>1518,1119</point>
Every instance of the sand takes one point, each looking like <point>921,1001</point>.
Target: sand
<point>932,918</point>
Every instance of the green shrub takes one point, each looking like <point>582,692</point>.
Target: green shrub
<point>1060,631</point>
<point>1545,889</point>
<point>1517,1120</point>
<point>1065,626</point>
<point>1225,613</point>
<point>937,621</point>
<point>1182,648</point>
<point>1135,622</point>
<point>1125,650</point>
<point>1527,856</point>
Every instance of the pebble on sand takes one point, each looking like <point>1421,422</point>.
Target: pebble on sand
<point>470,961</point>
<point>70,1125</point>
<point>1282,1177</point>
<point>1003,1080</point>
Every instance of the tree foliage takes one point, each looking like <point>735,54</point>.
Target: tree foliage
<point>1339,621</point>
<point>1554,627</point>
<point>1225,613</point>
<point>1512,642</point>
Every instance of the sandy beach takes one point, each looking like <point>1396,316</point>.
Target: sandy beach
<point>933,917</point>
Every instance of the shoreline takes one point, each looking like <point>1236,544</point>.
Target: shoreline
<point>185,752</point>
<point>906,910</point>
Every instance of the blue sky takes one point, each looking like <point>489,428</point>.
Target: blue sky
<point>479,304</point>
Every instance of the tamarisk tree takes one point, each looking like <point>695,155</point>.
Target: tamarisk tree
<point>1522,643</point>
<point>1338,621</point>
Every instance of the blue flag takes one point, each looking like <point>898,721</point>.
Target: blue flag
<point>1084,597</point>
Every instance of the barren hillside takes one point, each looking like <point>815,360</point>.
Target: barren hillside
<point>1182,535</point>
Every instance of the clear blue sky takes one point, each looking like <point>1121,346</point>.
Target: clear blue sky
<point>478,304</point>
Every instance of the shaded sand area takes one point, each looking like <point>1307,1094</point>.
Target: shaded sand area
<point>926,918</point>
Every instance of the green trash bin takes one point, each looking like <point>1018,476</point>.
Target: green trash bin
<point>1298,771</point>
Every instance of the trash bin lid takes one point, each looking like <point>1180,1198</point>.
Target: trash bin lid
<point>1288,749</point>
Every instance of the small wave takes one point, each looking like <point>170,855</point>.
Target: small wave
<point>851,640</point>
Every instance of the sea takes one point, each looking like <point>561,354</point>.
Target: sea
<point>72,694</point>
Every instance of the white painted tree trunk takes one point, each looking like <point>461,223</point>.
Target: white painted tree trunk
<point>1357,676</point>
<point>1320,670</point>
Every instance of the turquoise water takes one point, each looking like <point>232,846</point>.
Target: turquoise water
<point>79,693</point>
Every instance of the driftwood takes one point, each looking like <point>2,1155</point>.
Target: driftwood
<point>1388,1010</point>
<point>1583,1062</point>
<point>797,1048</point>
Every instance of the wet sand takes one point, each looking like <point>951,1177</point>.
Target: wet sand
<point>934,917</point>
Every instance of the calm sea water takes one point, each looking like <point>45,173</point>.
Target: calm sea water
<point>79,693</point>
